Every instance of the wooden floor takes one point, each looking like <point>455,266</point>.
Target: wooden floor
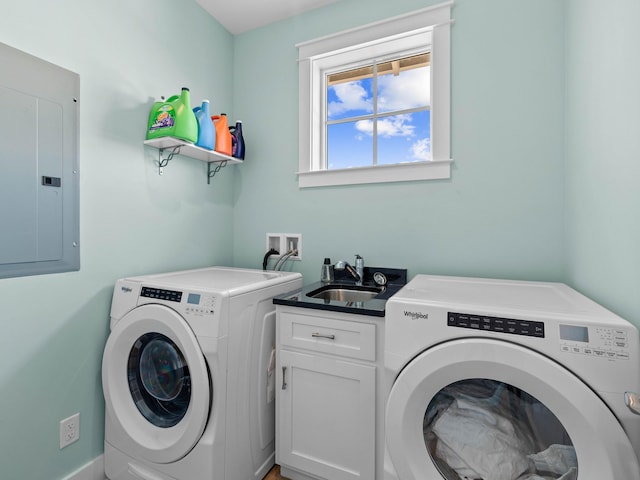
<point>274,474</point>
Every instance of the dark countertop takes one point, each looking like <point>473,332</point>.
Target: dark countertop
<point>396,277</point>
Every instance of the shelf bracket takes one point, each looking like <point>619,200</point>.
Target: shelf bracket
<point>210,173</point>
<point>168,147</point>
<point>163,162</point>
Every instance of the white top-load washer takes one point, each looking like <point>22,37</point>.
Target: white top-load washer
<point>188,375</point>
<point>503,380</point>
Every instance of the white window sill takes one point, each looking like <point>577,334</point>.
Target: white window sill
<point>403,172</point>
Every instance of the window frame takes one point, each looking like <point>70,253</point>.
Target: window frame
<point>316,56</point>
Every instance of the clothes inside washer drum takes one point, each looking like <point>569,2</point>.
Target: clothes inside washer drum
<point>481,439</point>
<point>478,443</point>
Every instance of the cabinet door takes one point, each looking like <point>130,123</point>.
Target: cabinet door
<point>326,416</point>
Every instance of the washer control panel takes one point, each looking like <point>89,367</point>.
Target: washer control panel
<point>496,324</point>
<point>161,294</point>
<point>603,342</point>
<point>200,304</point>
<point>191,302</point>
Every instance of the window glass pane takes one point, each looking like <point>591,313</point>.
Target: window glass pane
<point>404,84</point>
<point>349,145</point>
<point>404,138</point>
<point>347,99</point>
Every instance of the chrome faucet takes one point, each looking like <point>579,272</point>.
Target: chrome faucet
<point>360,269</point>
<point>357,273</point>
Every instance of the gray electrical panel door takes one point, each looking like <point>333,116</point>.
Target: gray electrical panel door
<point>39,211</point>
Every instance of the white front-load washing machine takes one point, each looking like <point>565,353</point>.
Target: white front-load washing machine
<point>188,375</point>
<point>504,380</point>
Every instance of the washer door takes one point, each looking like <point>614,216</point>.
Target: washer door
<point>508,399</point>
<point>156,384</point>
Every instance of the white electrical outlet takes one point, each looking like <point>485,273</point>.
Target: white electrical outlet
<point>69,430</point>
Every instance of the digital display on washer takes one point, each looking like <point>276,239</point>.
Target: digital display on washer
<point>496,324</point>
<point>194,298</point>
<point>574,333</point>
<point>161,294</point>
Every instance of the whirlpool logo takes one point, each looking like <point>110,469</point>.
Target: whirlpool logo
<point>416,315</point>
<point>126,289</point>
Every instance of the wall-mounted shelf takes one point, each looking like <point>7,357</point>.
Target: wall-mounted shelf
<point>175,146</point>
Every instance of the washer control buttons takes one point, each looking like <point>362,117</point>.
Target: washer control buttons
<point>598,342</point>
<point>205,304</point>
<point>496,324</point>
<point>161,294</point>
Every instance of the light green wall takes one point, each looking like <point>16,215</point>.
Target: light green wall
<point>501,212</point>
<point>603,152</point>
<point>132,221</point>
<point>544,142</point>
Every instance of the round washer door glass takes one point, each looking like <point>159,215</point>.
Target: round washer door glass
<point>159,379</point>
<point>483,428</point>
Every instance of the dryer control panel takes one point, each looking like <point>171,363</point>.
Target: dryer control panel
<point>603,342</point>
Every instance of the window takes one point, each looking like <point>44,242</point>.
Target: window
<point>378,114</point>
<point>374,102</point>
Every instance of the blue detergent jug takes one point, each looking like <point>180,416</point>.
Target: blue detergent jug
<point>206,129</point>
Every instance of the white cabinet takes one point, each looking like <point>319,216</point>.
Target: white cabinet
<point>326,408</point>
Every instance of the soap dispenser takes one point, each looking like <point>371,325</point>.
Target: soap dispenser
<point>326,274</point>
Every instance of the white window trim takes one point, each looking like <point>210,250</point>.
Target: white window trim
<point>435,19</point>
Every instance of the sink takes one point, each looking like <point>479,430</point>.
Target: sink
<point>345,293</point>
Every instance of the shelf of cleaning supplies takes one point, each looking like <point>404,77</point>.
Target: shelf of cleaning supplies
<point>175,146</point>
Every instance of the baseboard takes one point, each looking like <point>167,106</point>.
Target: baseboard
<point>94,470</point>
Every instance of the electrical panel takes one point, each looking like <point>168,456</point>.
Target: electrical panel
<point>39,177</point>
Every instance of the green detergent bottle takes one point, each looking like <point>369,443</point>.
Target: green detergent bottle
<point>173,118</point>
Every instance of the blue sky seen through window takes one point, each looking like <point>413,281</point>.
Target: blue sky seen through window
<point>401,116</point>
